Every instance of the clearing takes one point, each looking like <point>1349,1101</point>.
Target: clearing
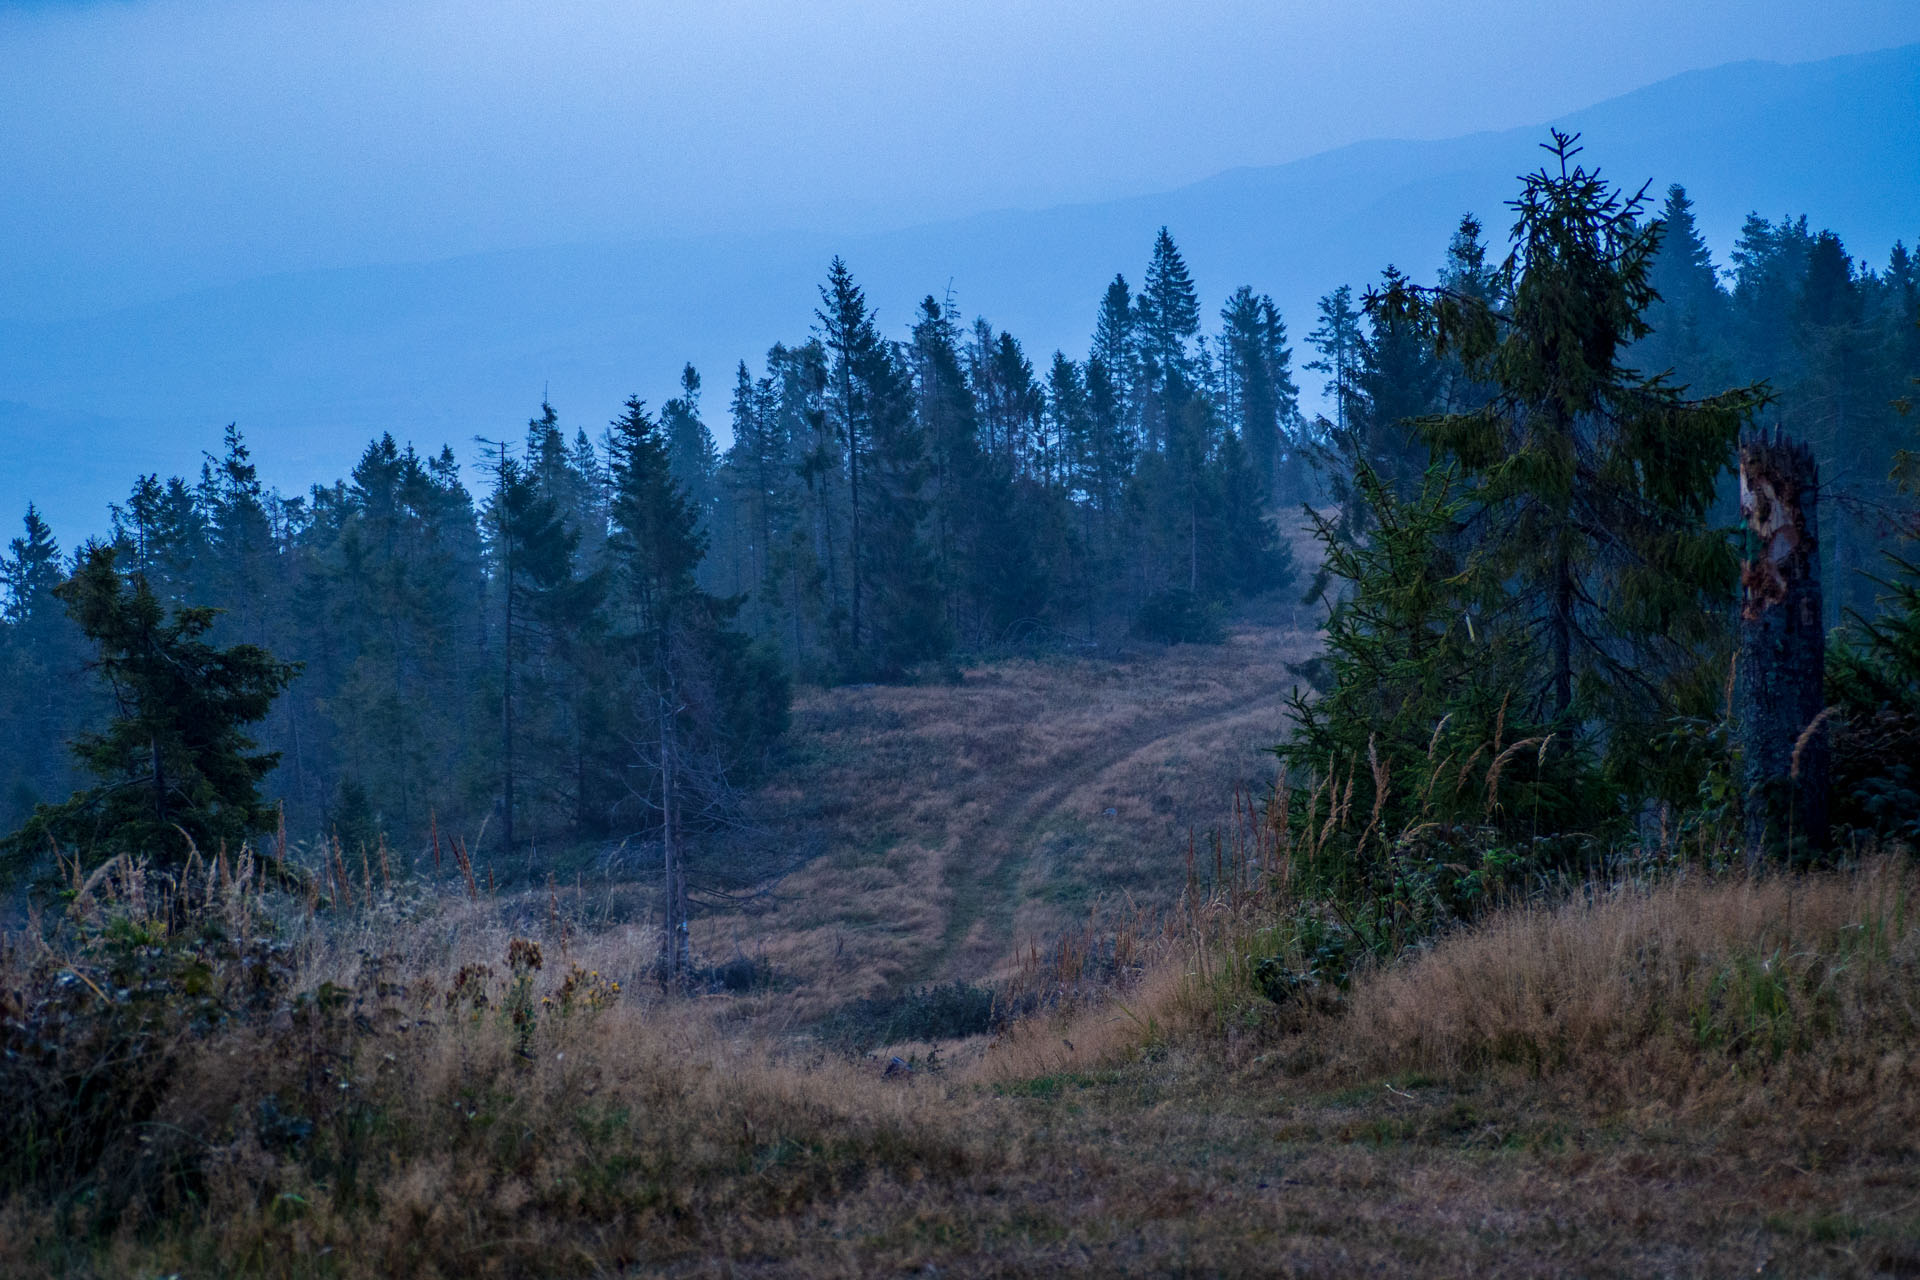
<point>946,828</point>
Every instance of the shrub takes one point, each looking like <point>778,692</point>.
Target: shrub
<point>1873,680</point>
<point>952,1011</point>
<point>94,1030</point>
<point>1178,616</point>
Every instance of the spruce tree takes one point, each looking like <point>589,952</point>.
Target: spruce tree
<point>690,448</point>
<point>1394,377</point>
<point>964,487</point>
<point>42,698</point>
<point>177,770</point>
<point>1593,482</point>
<point>894,618</point>
<point>532,550</point>
<point>1116,347</point>
<point>1415,701</point>
<point>1168,320</point>
<point>1337,338</point>
<point>701,703</point>
<point>163,534</point>
<point>31,571</point>
<point>1690,314</point>
<point>1769,267</point>
<point>846,331</point>
<point>1260,400</point>
<point>240,565</point>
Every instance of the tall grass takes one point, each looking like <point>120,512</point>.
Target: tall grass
<point>1753,970</point>
<point>1652,964</point>
<point>184,1090</point>
<point>206,1073</point>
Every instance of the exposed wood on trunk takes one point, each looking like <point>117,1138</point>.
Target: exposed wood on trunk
<point>1780,677</point>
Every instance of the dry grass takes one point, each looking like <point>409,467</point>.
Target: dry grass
<point>1760,969</point>
<point>950,828</point>
<point>1601,1088</point>
<point>1697,1075</point>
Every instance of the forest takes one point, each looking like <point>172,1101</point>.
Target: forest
<point>842,852</point>
<point>889,505</point>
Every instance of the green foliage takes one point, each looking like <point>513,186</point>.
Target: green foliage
<point>176,769</point>
<point>1178,616</point>
<point>1873,681</point>
<point>1418,722</point>
<point>884,504</point>
<point>1592,482</point>
<point>950,1011</point>
<point>92,1038</point>
<point>1512,628</point>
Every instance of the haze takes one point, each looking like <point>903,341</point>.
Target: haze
<point>156,147</point>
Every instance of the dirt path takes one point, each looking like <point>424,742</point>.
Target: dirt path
<point>985,886</point>
<point>949,824</point>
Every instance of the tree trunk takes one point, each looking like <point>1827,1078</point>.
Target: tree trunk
<point>853,503</point>
<point>1561,631</point>
<point>1779,687</point>
<point>506,716</point>
<point>675,946</point>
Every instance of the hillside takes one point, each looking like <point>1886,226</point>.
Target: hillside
<point>314,364</point>
<point>1697,1075</point>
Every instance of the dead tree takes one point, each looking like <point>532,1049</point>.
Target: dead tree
<point>1779,688</point>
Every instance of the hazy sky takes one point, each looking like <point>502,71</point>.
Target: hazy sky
<point>154,145</point>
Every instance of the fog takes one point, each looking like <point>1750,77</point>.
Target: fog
<point>157,146</point>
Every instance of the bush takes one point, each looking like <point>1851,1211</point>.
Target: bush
<point>179,1091</point>
<point>1178,616</point>
<point>94,1031</point>
<point>1873,679</point>
<point>952,1011</point>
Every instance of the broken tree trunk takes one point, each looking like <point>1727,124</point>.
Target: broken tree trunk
<point>1779,688</point>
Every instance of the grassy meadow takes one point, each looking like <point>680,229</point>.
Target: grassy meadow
<point>1670,1071</point>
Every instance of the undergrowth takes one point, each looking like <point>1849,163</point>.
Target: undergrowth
<point>206,1076</point>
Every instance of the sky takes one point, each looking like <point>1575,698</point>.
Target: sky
<point>157,146</point>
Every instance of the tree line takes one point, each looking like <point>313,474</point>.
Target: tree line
<point>1535,549</point>
<point>597,641</point>
<point>604,613</point>
<point>1830,338</point>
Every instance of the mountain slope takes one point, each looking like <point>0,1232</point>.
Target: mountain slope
<point>313,364</point>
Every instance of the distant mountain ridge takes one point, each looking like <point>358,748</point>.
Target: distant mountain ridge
<point>313,364</point>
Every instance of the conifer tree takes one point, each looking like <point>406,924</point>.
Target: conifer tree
<point>239,578</point>
<point>701,702</point>
<point>1393,377</point>
<point>1841,401</point>
<point>1769,267</point>
<point>1466,273</point>
<point>1414,701</point>
<point>42,698</point>
<point>807,561</point>
<point>754,479</point>
<point>846,331</point>
<point>162,533</point>
<point>1167,319</point>
<point>1593,482</point>
<point>31,571</point>
<point>1260,400</point>
<point>690,448</point>
<point>1337,338</point>
<point>532,550</point>
<point>1116,346</point>
<point>1691,310</point>
<point>963,488</point>
<point>176,768</point>
<point>894,615</point>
